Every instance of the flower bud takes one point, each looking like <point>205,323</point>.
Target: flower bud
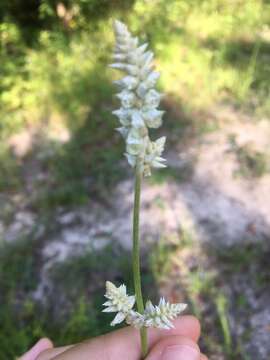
<point>128,82</point>
<point>137,119</point>
<point>153,118</point>
<point>127,98</point>
<point>123,131</point>
<point>152,99</point>
<point>123,115</point>
<point>152,79</point>
<point>135,143</point>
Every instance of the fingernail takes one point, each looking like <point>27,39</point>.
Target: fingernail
<point>180,352</point>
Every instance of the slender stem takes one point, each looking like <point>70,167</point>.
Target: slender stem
<point>136,255</point>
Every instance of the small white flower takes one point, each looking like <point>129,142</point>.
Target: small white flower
<point>120,28</point>
<point>141,49</point>
<point>118,66</point>
<point>123,131</point>
<point>128,99</point>
<point>123,115</point>
<point>145,70</point>
<point>131,159</point>
<point>137,119</point>
<point>132,70</point>
<point>151,79</point>
<point>147,84</point>
<point>142,90</point>
<point>118,301</point>
<point>135,319</point>
<point>135,143</point>
<point>119,57</point>
<point>152,99</point>
<point>153,118</point>
<point>153,157</point>
<point>128,82</point>
<point>160,316</point>
<point>145,59</point>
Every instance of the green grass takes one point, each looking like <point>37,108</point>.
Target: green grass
<point>72,310</point>
<point>204,278</point>
<point>10,170</point>
<point>222,311</point>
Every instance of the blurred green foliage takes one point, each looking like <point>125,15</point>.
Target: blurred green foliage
<point>10,168</point>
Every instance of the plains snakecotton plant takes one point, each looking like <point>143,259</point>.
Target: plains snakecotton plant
<point>137,114</point>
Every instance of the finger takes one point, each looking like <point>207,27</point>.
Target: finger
<point>125,343</point>
<point>38,348</point>
<point>52,353</point>
<point>175,348</point>
<point>187,326</point>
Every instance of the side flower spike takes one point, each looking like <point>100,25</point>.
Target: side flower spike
<point>160,316</point>
<point>135,319</point>
<point>153,157</point>
<point>118,301</point>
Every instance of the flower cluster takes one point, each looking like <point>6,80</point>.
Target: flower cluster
<point>158,316</point>
<point>118,301</point>
<point>139,101</point>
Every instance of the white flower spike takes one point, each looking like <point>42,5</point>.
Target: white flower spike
<point>160,316</point>
<point>139,100</point>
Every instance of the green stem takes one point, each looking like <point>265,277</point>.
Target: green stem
<point>136,255</point>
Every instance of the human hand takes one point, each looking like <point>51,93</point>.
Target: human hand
<point>179,343</point>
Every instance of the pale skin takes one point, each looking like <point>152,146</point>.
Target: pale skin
<point>125,344</point>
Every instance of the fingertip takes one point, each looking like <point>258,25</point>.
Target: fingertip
<point>194,325</point>
<point>45,343</point>
<point>188,325</point>
<point>175,347</point>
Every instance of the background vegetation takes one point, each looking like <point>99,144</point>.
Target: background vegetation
<point>54,75</point>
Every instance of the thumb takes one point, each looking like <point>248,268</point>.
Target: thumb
<point>175,348</point>
<point>38,348</point>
